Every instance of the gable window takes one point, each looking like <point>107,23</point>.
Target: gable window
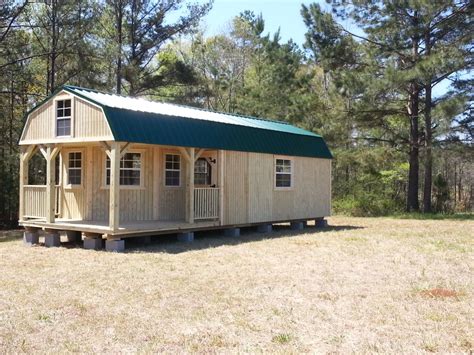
<point>202,172</point>
<point>130,169</point>
<point>74,170</point>
<point>283,173</point>
<point>172,170</point>
<point>63,117</point>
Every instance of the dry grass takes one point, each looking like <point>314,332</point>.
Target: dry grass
<point>362,286</point>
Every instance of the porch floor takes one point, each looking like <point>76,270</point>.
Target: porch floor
<point>127,229</point>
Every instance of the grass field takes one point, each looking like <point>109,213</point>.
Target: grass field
<point>362,285</point>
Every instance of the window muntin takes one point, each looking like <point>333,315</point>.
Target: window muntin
<point>202,172</point>
<point>130,170</point>
<point>63,117</point>
<point>283,173</point>
<point>172,170</point>
<point>74,171</point>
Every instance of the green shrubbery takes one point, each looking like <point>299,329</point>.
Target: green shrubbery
<point>366,205</point>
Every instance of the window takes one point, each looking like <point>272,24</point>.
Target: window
<point>130,169</point>
<point>202,172</point>
<point>283,173</point>
<point>172,170</point>
<point>74,170</point>
<point>63,117</point>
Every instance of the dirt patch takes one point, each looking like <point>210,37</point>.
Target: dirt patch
<point>440,293</point>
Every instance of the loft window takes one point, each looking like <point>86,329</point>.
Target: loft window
<point>202,172</point>
<point>172,170</point>
<point>130,169</point>
<point>74,171</point>
<point>283,173</point>
<point>63,117</point>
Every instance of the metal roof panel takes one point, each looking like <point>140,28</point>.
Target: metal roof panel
<point>141,121</point>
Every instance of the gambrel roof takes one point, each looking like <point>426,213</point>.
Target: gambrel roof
<point>142,121</point>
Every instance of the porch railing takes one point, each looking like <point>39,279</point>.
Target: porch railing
<point>206,203</point>
<point>35,201</point>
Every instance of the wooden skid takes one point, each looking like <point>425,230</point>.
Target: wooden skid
<point>141,228</point>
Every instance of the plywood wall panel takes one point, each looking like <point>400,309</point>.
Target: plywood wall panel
<point>171,200</point>
<point>236,188</point>
<point>250,187</point>
<point>88,123</point>
<point>260,182</point>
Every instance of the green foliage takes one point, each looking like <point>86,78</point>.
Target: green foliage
<point>352,89</point>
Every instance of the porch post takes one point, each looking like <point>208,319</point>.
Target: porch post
<point>25,156</point>
<point>190,188</point>
<point>220,166</point>
<point>50,155</point>
<point>114,206</point>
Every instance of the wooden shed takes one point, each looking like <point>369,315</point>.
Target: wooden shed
<point>119,167</point>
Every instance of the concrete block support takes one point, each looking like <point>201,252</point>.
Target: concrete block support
<point>321,223</point>
<point>264,228</point>
<point>73,236</point>
<point>232,232</point>
<point>297,225</point>
<point>92,243</point>
<point>52,238</point>
<point>115,245</point>
<point>31,237</point>
<point>186,237</point>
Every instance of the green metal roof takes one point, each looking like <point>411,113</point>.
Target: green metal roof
<point>141,121</point>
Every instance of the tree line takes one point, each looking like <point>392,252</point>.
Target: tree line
<point>399,142</point>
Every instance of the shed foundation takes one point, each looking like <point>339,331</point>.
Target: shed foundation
<point>92,243</point>
<point>52,238</point>
<point>115,245</point>
<point>297,225</point>
<point>73,236</point>
<point>264,228</point>
<point>186,237</point>
<point>321,223</point>
<point>31,236</point>
<point>232,232</point>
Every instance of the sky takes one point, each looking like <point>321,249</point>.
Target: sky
<point>283,14</point>
<point>276,13</point>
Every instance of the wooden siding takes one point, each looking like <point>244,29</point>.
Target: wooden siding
<point>236,188</point>
<point>89,120</point>
<point>91,200</point>
<point>72,203</point>
<point>136,203</point>
<point>249,186</point>
<point>249,193</point>
<point>171,200</point>
<point>260,197</point>
<point>88,123</point>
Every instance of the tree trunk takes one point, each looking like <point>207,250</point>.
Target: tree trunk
<point>428,152</point>
<point>428,135</point>
<point>413,108</point>
<point>54,46</point>
<point>119,20</point>
<point>414,164</point>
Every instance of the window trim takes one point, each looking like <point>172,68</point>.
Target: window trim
<point>126,187</point>
<point>66,172</point>
<point>291,173</point>
<point>180,170</point>
<point>55,126</point>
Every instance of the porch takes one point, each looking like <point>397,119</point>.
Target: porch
<point>126,229</point>
<point>100,204</point>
